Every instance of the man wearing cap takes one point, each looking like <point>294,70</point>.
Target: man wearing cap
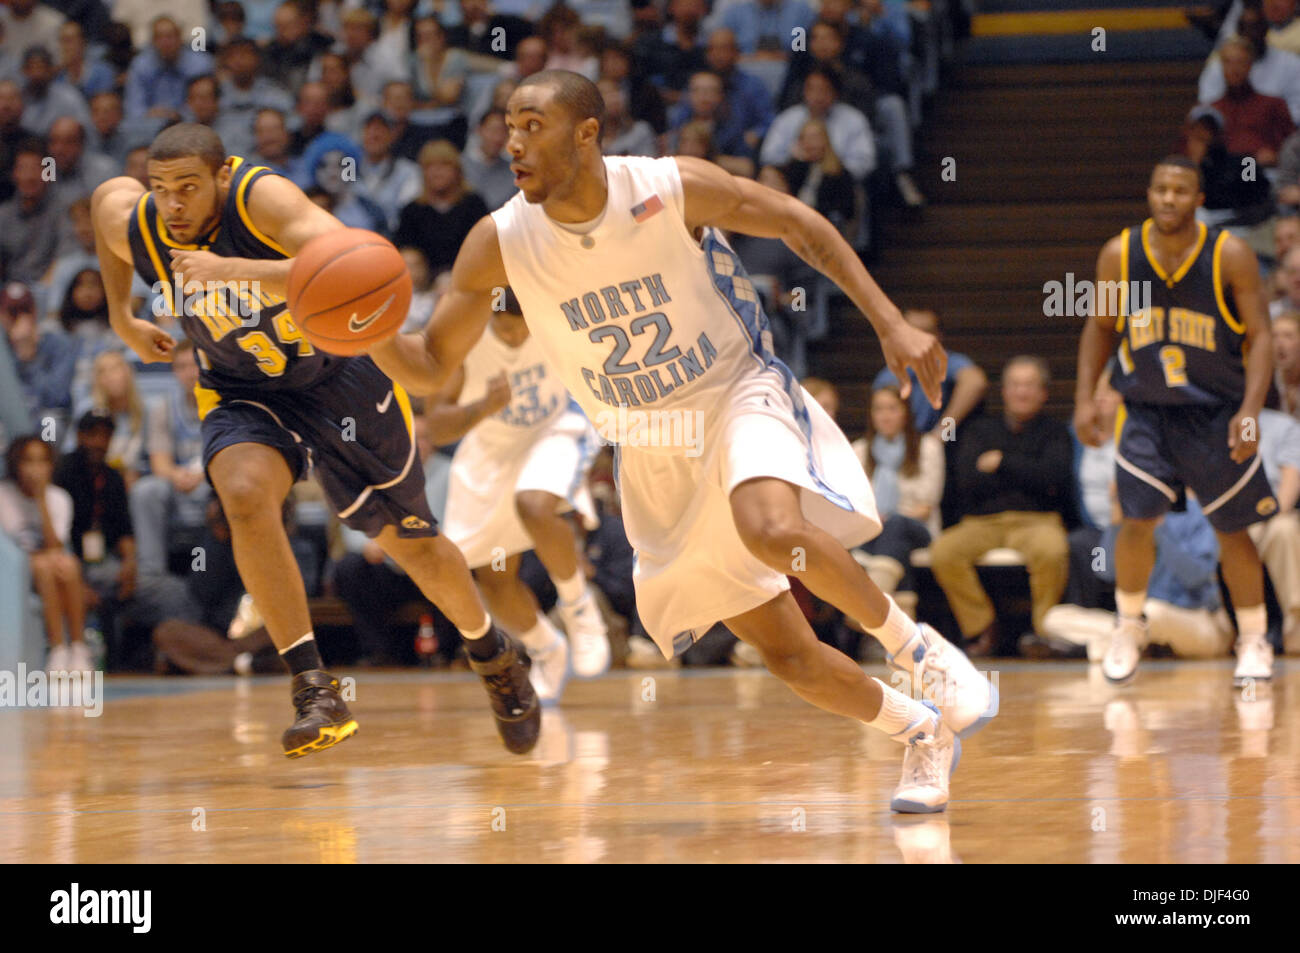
<point>45,361</point>
<point>101,521</point>
<point>1254,124</point>
<point>389,181</point>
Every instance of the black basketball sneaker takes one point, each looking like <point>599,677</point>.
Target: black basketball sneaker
<point>514,703</point>
<point>323,717</point>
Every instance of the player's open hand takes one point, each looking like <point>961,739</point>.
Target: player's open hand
<point>1087,422</point>
<point>1243,435</point>
<point>201,266</point>
<point>151,343</point>
<point>906,346</point>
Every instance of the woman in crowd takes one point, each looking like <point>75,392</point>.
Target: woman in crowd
<point>907,473</point>
<point>37,515</point>
<point>438,221</point>
<point>83,315</point>
<point>818,178</point>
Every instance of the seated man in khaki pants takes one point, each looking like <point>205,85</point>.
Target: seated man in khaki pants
<point>1014,473</point>
<point>1278,537</point>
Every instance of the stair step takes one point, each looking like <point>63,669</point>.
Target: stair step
<point>1051,161</point>
<point>1062,74</point>
<point>1088,223</point>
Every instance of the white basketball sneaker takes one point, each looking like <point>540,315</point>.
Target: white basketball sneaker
<point>79,659</point>
<point>1254,661</point>
<point>1125,649</point>
<point>586,630</point>
<point>945,676</point>
<point>933,751</point>
<point>550,671</point>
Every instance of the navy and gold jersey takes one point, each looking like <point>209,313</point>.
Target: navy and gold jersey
<point>244,336</point>
<point>1181,339</point>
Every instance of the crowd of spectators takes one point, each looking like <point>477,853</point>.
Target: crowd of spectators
<point>389,113</point>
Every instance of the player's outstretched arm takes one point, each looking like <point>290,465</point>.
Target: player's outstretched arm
<point>1241,273</point>
<point>1095,346</point>
<point>111,206</point>
<point>282,212</point>
<point>715,197</point>
<point>424,363</point>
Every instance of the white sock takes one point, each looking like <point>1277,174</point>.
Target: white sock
<point>1130,604</point>
<point>1252,623</point>
<point>894,632</point>
<point>898,712</point>
<point>471,634</point>
<point>306,638</point>
<point>571,590</point>
<point>541,636</point>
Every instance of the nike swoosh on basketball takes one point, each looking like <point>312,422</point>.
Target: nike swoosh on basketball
<point>356,327</point>
<point>382,406</point>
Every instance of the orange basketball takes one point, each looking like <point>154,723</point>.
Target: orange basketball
<point>349,289</point>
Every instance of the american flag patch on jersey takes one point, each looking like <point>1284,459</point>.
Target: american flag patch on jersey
<point>647,208</point>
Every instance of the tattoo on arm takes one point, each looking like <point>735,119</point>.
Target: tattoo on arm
<point>817,253</point>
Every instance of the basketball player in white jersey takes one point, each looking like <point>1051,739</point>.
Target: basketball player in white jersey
<point>522,462</point>
<point>731,477</point>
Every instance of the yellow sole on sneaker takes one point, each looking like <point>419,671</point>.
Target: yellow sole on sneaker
<point>329,736</point>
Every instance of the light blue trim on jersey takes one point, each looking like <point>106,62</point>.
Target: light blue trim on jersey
<point>684,640</point>
<point>735,288</point>
<point>587,450</point>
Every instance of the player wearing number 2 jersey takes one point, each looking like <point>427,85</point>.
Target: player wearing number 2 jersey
<point>1191,343</point>
<point>731,476</point>
<point>217,238</point>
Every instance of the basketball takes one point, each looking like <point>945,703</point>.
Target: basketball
<point>348,290</point>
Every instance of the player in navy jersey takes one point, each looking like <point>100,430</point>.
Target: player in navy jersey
<point>217,237</point>
<point>1193,363</point>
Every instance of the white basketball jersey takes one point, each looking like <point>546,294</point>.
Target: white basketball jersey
<point>538,396</point>
<point>646,318</point>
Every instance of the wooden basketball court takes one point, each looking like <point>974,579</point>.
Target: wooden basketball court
<point>710,765</point>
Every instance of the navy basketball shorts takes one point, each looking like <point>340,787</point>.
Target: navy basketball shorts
<point>352,430</point>
<point>1161,449</point>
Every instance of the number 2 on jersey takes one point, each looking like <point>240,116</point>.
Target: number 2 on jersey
<point>1174,362</point>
